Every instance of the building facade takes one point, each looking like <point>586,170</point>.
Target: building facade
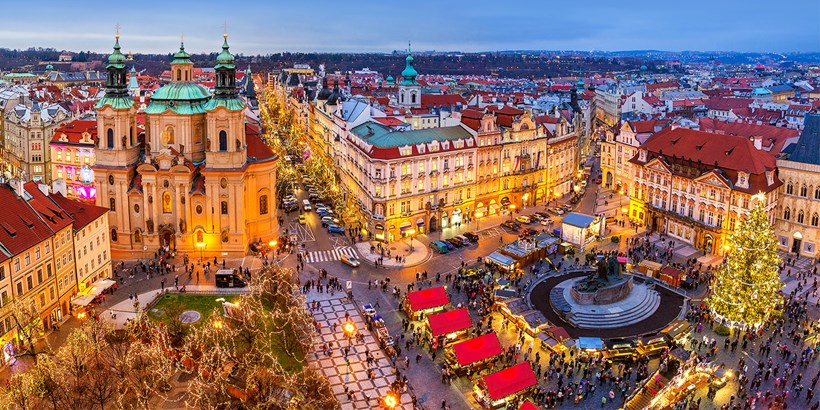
<point>28,131</point>
<point>693,186</point>
<point>72,159</point>
<point>199,183</point>
<point>798,216</point>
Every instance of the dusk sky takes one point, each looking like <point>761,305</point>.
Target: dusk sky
<point>150,26</point>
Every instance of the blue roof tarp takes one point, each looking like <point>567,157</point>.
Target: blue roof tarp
<point>590,343</point>
<point>579,220</point>
<point>500,259</point>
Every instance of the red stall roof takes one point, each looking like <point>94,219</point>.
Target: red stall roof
<point>509,381</point>
<point>558,333</point>
<point>671,272</point>
<point>449,322</point>
<point>427,298</point>
<point>528,405</point>
<point>477,348</point>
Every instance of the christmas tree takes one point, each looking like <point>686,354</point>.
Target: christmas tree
<point>745,288</point>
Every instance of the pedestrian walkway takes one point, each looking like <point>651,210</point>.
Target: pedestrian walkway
<point>330,255</point>
<point>412,256</point>
<point>351,372</point>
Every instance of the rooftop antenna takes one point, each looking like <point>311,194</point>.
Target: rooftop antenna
<point>408,46</point>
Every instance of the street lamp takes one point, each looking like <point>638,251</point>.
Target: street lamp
<point>391,400</point>
<point>201,246</point>
<point>477,215</point>
<point>512,210</point>
<point>349,328</point>
<point>410,233</point>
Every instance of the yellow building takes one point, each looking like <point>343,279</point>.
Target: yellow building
<point>200,182</point>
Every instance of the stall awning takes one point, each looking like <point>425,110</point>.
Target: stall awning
<point>83,300</point>
<point>671,272</point>
<point>527,405</point>
<point>559,333</point>
<point>578,220</point>
<point>449,322</point>
<point>427,298</point>
<point>509,381</point>
<point>650,264</point>
<point>590,343</point>
<point>103,284</point>
<point>501,259</point>
<point>477,348</point>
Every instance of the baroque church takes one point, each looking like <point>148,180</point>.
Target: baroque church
<point>196,181</point>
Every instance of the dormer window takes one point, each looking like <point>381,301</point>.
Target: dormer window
<point>742,180</point>
<point>406,151</point>
<point>642,155</point>
<point>769,177</point>
<point>445,145</point>
<point>421,148</point>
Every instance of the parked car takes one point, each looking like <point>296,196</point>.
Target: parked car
<point>327,220</point>
<point>449,245</point>
<point>439,247</point>
<point>464,240</point>
<point>350,260</point>
<point>511,225</point>
<point>325,212</point>
<point>333,228</point>
<point>543,214</point>
<point>528,231</point>
<point>558,211</point>
<point>546,221</point>
<point>302,219</point>
<point>524,219</point>
<point>472,236</point>
<point>456,242</point>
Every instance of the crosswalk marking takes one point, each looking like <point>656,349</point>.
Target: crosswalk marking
<point>330,255</point>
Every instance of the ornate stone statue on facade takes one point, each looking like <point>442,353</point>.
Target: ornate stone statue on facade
<point>150,225</point>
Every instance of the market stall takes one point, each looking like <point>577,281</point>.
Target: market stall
<point>676,330</point>
<point>92,295</point>
<point>497,389</point>
<point>528,405</point>
<point>581,229</point>
<point>654,344</point>
<point>448,327</point>
<point>589,346</point>
<point>474,355</point>
<point>620,349</point>
<point>649,268</point>
<point>672,276</point>
<point>518,311</point>
<point>424,302</point>
<point>504,262</point>
<point>556,339</point>
<point>529,249</point>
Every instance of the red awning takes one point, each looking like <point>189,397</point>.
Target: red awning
<point>427,298</point>
<point>477,348</point>
<point>449,322</point>
<point>558,333</point>
<point>527,405</point>
<point>671,272</point>
<point>509,381</point>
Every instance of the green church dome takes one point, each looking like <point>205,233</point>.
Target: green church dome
<point>225,58</point>
<point>181,56</point>
<point>181,92</point>
<point>116,58</point>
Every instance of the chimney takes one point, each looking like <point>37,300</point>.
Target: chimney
<point>59,186</point>
<point>17,185</point>
<point>43,188</point>
<point>758,141</point>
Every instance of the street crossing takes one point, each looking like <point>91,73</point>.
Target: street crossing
<point>330,255</point>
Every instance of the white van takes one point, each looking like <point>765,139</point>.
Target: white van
<point>306,205</point>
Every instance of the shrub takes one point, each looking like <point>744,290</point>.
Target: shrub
<point>722,331</point>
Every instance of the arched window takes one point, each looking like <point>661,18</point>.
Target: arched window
<point>112,204</point>
<point>167,203</point>
<point>110,138</point>
<point>790,188</point>
<point>137,236</point>
<point>263,205</point>
<point>179,75</point>
<point>223,140</point>
<point>803,190</point>
<point>787,214</point>
<point>800,217</point>
<point>114,235</point>
<point>413,98</point>
<point>815,219</point>
<point>200,237</point>
<point>817,193</point>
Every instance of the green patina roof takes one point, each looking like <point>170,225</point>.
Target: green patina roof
<point>116,59</point>
<point>182,91</point>
<point>182,108</point>
<point>232,104</point>
<point>181,56</point>
<point>225,58</point>
<point>116,103</point>
<point>384,137</point>
<point>18,75</point>
<point>409,73</point>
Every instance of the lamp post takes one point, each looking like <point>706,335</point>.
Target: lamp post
<point>512,210</point>
<point>477,215</point>
<point>410,233</point>
<point>201,246</point>
<point>390,400</point>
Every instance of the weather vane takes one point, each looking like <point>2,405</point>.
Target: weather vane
<point>117,31</point>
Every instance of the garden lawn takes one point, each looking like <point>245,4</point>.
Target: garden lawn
<point>174,304</point>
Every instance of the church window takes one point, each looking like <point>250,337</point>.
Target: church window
<point>110,138</point>
<point>179,75</point>
<point>167,203</point>
<point>787,214</point>
<point>224,206</point>
<point>803,191</point>
<point>263,205</point>
<point>223,140</point>
<point>131,135</point>
<point>817,193</point>
<point>114,235</point>
<point>136,208</point>
<point>790,188</point>
<point>199,209</point>
<point>112,204</point>
<point>800,217</point>
<point>200,237</point>
<point>815,219</point>
<point>413,98</point>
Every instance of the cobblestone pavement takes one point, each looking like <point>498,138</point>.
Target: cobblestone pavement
<point>350,372</point>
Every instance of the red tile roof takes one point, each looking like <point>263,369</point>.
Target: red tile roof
<point>389,121</point>
<point>774,138</point>
<point>669,85</point>
<point>257,149</point>
<point>20,226</point>
<point>54,216</point>
<point>472,118</point>
<point>651,126</point>
<point>74,131</point>
<point>726,104</point>
<point>81,213</point>
<point>441,100</point>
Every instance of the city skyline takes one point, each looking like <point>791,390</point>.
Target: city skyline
<point>463,26</point>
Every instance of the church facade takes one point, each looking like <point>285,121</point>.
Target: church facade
<point>196,181</point>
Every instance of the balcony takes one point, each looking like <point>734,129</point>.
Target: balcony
<point>470,166</point>
<point>422,174</point>
<point>446,169</point>
<point>458,168</point>
<point>434,172</point>
<point>392,178</point>
<point>405,176</point>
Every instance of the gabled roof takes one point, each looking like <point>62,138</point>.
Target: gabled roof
<point>807,149</point>
<point>81,213</point>
<point>774,138</point>
<point>74,131</point>
<point>726,104</point>
<point>53,216</point>
<point>20,226</point>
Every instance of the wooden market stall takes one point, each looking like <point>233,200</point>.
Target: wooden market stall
<point>556,339</point>
<point>474,355</point>
<point>424,302</point>
<point>449,327</point>
<point>497,389</point>
<point>672,276</point>
<point>528,405</point>
<point>649,268</point>
<point>676,330</point>
<point>518,311</point>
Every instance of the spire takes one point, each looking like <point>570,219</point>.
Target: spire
<point>409,73</point>
<point>225,71</point>
<point>115,83</point>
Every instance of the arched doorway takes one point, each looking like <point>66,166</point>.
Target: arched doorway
<point>167,239</point>
<point>708,243</point>
<point>797,240</point>
<point>609,179</point>
<point>432,223</point>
